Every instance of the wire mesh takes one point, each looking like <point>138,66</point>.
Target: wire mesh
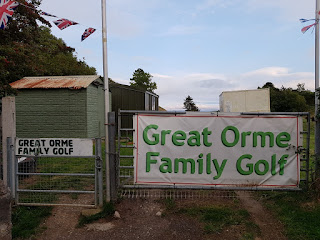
<point>180,193</point>
<point>46,180</point>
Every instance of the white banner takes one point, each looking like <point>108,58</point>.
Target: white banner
<point>54,147</point>
<point>227,151</point>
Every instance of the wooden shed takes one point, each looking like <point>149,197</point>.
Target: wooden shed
<point>128,98</point>
<point>60,106</point>
<point>125,97</point>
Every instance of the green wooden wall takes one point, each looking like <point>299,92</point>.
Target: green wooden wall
<point>60,113</point>
<point>95,111</point>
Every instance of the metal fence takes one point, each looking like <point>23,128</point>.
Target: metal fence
<point>125,164</point>
<point>53,180</point>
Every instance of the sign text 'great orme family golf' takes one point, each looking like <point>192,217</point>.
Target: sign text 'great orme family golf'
<point>237,151</point>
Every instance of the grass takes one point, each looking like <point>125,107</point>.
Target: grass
<point>298,211</point>
<point>217,217</point>
<point>26,220</point>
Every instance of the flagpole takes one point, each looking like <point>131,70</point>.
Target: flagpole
<point>106,96</point>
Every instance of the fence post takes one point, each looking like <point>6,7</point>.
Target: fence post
<point>99,183</point>
<point>8,130</point>
<point>112,155</point>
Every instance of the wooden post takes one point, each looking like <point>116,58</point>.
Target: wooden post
<point>8,130</point>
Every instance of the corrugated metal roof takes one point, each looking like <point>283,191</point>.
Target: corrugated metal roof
<point>75,82</point>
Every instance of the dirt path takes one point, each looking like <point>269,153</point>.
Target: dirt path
<point>269,226</point>
<point>140,220</point>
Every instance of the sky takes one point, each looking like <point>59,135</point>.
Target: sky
<point>199,48</point>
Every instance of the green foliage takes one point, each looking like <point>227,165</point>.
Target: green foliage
<point>170,204</point>
<point>290,100</point>
<point>26,220</point>
<point>27,49</point>
<point>216,218</point>
<point>107,210</point>
<point>189,105</point>
<point>143,81</point>
<point>298,211</point>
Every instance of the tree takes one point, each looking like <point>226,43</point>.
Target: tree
<point>189,105</point>
<point>27,49</point>
<point>142,80</point>
<point>286,99</point>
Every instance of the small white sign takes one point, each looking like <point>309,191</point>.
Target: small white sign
<point>54,147</point>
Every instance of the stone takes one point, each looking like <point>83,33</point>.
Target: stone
<point>116,215</point>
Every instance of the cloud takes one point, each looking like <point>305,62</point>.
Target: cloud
<point>156,75</point>
<point>279,76</point>
<point>218,83</point>
<point>269,71</point>
<point>205,88</point>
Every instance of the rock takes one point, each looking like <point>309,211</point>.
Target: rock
<point>116,215</point>
<point>159,214</point>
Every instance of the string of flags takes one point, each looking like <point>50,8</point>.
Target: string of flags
<point>306,28</point>
<point>7,8</point>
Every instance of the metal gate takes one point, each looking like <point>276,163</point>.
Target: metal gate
<point>51,180</point>
<point>125,158</point>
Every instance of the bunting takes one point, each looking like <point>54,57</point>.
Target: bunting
<point>87,33</point>
<point>303,20</point>
<point>306,28</point>
<point>47,14</point>
<point>7,8</point>
<point>64,23</point>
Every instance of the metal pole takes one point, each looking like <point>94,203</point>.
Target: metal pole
<point>99,171</point>
<point>317,127</point>
<point>106,95</point>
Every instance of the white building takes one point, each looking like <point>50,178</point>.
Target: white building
<point>257,100</point>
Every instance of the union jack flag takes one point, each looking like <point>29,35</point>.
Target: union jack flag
<point>87,33</point>
<point>64,23</point>
<point>306,28</point>
<point>47,14</point>
<point>7,8</point>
